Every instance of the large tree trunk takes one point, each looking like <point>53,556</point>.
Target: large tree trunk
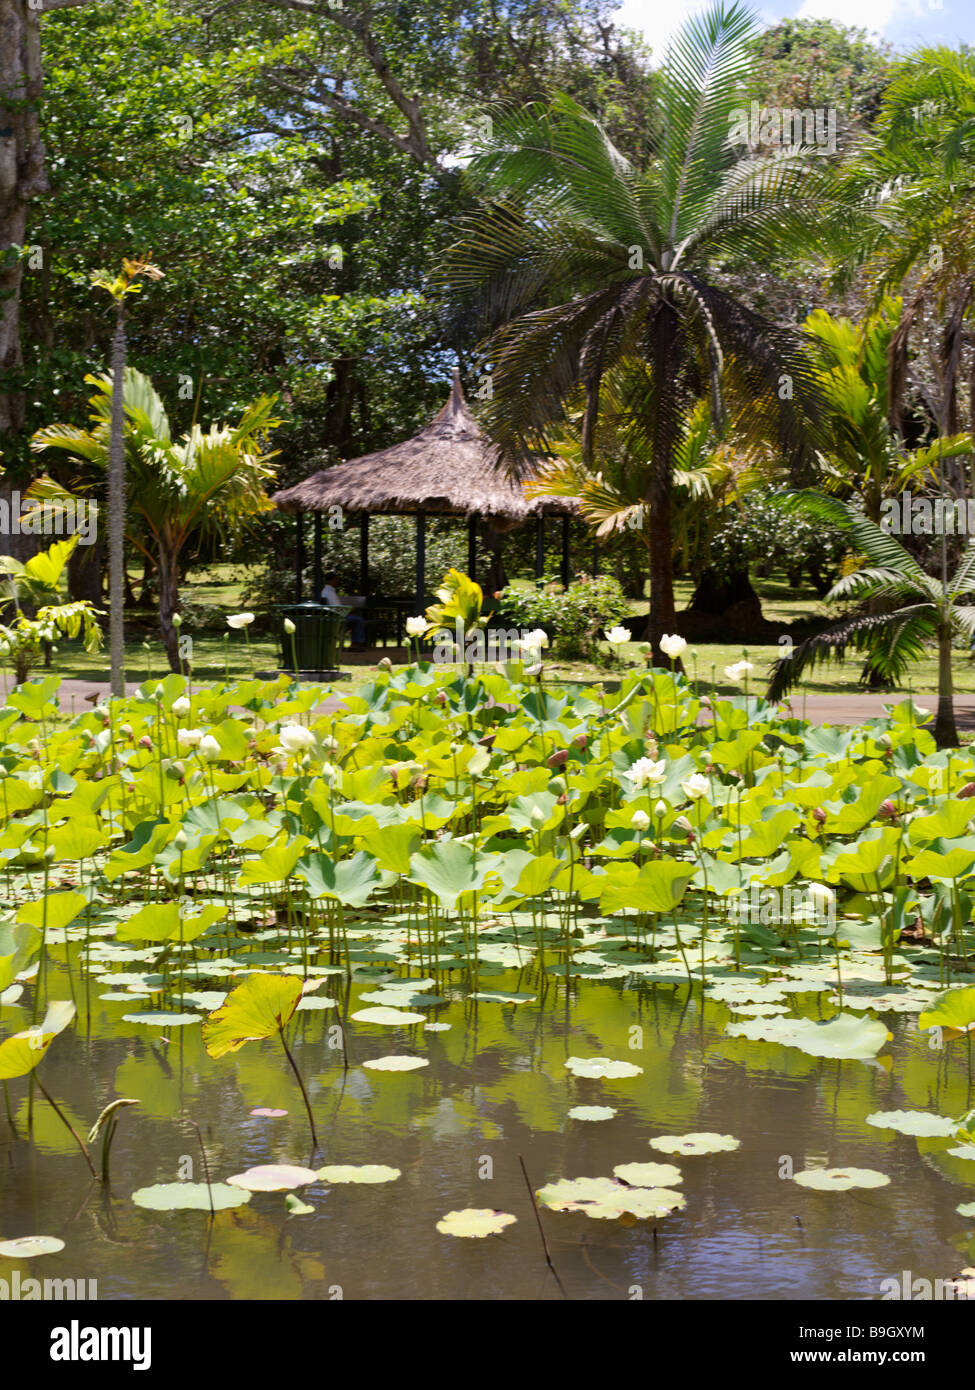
<point>945,733</point>
<point>116,512</point>
<point>22,177</point>
<point>168,607</point>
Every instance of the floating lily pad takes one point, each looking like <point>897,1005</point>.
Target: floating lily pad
<point>474,1222</point>
<point>592,1112</point>
<point>966,1209</point>
<point>365,1172</point>
<point>692,1144</point>
<point>189,1196</point>
<point>396,1063</point>
<point>916,1122</point>
<point>499,996</point>
<point>963,1151</point>
<point>840,1179</point>
<point>265,1113</point>
<point>649,1174</point>
<point>387,1016</point>
<point>602,1067</point>
<point>27,1247</point>
<point>606,1199</point>
<point>438,1027</point>
<point>847,1035</point>
<point>159,1018</point>
<point>273,1177</point>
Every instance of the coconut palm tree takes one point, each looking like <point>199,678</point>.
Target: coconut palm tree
<point>919,607</point>
<point>120,287</point>
<point>208,483</point>
<point>577,260</point>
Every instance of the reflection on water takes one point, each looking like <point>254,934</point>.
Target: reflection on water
<point>496,1088</point>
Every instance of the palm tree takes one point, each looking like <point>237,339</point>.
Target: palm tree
<point>206,484</point>
<point>577,260</point>
<point>922,609</point>
<point>120,287</point>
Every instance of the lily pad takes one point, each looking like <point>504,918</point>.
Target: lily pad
<point>693,1144</point>
<point>649,1174</point>
<point>189,1196</point>
<point>265,1113</point>
<point>396,1063</point>
<point>475,1222</point>
<point>273,1177</point>
<point>840,1179</point>
<point>159,1018</point>
<point>26,1247</point>
<point>916,1122</point>
<point>592,1112</point>
<point>605,1068</point>
<point>966,1209</point>
<point>365,1172</point>
<point>392,1018</point>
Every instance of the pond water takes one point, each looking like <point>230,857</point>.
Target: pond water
<point>496,1090</point>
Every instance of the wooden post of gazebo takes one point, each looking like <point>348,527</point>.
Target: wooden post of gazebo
<point>299,557</point>
<point>364,554</point>
<point>472,546</point>
<point>317,580</point>
<point>539,546</point>
<point>421,562</point>
<point>565,553</point>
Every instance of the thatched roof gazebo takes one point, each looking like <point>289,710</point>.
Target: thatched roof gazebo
<point>449,469</point>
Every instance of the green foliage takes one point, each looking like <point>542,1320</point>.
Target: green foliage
<point>576,616</point>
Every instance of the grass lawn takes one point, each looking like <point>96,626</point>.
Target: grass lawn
<point>216,653</point>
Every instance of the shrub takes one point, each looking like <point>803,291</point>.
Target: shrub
<point>574,618</point>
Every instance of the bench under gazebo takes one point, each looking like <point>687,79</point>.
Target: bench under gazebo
<point>449,469</point>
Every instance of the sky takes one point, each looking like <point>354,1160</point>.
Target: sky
<point>903,23</point>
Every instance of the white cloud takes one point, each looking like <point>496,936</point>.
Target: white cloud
<point>873,15</point>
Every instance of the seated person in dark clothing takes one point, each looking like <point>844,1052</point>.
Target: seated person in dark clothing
<point>355,621</point>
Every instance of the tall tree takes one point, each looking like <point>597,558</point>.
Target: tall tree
<point>580,259</point>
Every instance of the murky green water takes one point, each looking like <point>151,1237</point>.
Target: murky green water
<point>496,1088</point>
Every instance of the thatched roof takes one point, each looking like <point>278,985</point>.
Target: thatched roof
<point>450,466</point>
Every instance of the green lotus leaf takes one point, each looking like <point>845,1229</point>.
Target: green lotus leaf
<point>840,1179</point>
<point>259,1007</point>
<point>474,1223</point>
<point>366,1173</point>
<point>592,1112</point>
<point>28,1247</point>
<point>20,1053</point>
<point>273,1177</point>
<point>916,1122</point>
<point>602,1067</point>
<point>694,1144</point>
<point>648,1174</point>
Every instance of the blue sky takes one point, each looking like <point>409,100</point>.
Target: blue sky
<point>904,23</point>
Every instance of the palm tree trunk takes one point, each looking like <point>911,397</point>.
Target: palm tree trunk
<point>116,511</point>
<point>945,733</point>
<point>168,606</point>
<point>660,542</point>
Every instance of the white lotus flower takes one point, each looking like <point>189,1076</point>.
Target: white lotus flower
<point>640,820</point>
<point>181,706</point>
<point>673,646</point>
<point>646,773</point>
<point>616,636</point>
<point>210,748</point>
<point>239,620</point>
<point>536,639</point>
<point>330,774</point>
<point>189,738</point>
<point>739,670</point>
<point>820,894</point>
<point>295,738</point>
<point>696,786</point>
<point>416,627</point>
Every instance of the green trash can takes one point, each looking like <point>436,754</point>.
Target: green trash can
<point>317,636</point>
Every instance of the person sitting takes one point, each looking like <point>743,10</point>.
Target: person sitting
<point>355,621</point>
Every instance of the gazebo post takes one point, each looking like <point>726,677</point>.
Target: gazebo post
<point>539,546</point>
<point>472,546</point>
<point>595,559</point>
<point>317,562</point>
<point>364,554</point>
<point>421,561</point>
<point>565,552</point>
<point>299,556</point>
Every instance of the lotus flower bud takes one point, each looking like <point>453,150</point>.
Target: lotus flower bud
<point>558,759</point>
<point>819,816</point>
<point>888,809</point>
<point>640,820</point>
<point>580,741</point>
<point>289,627</point>
<point>440,698</point>
<point>966,791</point>
<point>558,784</point>
<point>385,664</point>
<point>177,621</point>
<point>145,741</point>
<point>125,729</point>
<point>179,840</point>
<point>660,809</point>
<point>563,800</point>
